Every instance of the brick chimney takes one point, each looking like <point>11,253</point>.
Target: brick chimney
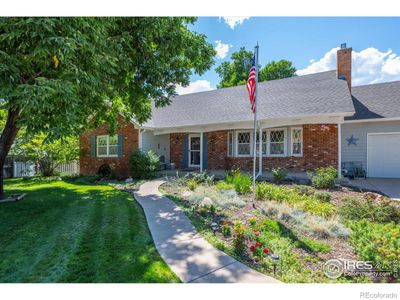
<point>343,64</point>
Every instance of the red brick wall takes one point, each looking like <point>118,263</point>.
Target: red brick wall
<point>175,144</point>
<point>320,149</point>
<point>90,165</point>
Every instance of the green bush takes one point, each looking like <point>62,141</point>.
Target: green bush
<point>201,177</point>
<point>241,182</point>
<point>265,191</point>
<point>144,165</point>
<point>314,246</point>
<point>222,185</point>
<point>303,189</point>
<point>279,174</point>
<point>323,178</point>
<point>381,212</point>
<point>323,196</point>
<point>191,184</point>
<point>379,243</point>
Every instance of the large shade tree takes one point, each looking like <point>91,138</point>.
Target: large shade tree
<point>57,73</point>
<point>236,71</point>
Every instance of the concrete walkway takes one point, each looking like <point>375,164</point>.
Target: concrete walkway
<point>388,186</point>
<point>191,257</point>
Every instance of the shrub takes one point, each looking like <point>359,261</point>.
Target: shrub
<point>222,185</point>
<point>280,194</point>
<point>226,229</point>
<point>306,222</point>
<point>144,165</point>
<point>201,177</point>
<point>279,174</point>
<point>241,182</point>
<point>323,196</point>
<point>379,243</point>
<point>220,198</point>
<point>323,178</point>
<point>303,189</point>
<point>191,184</point>
<point>381,212</point>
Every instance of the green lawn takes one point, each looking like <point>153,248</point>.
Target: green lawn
<point>65,232</point>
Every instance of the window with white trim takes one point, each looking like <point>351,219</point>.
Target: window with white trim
<point>277,142</point>
<point>297,141</point>
<point>230,143</point>
<point>263,142</point>
<point>107,146</point>
<point>243,143</point>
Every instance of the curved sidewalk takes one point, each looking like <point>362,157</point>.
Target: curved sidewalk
<point>190,256</point>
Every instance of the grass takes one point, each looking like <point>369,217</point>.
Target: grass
<point>69,232</point>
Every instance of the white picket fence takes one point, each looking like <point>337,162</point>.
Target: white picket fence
<point>28,169</point>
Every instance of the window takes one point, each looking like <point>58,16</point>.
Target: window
<point>230,143</point>
<point>297,141</point>
<point>107,146</point>
<point>243,143</point>
<point>263,142</point>
<point>277,145</point>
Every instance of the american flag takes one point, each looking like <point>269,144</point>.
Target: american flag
<point>251,84</point>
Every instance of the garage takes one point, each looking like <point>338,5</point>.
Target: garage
<point>383,155</point>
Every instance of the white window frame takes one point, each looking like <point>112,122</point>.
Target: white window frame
<point>266,143</point>
<point>193,135</point>
<point>301,141</point>
<point>284,129</point>
<point>108,146</point>
<point>237,143</point>
<point>231,145</point>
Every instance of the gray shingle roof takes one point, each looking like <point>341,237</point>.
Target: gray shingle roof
<point>315,94</point>
<point>381,100</point>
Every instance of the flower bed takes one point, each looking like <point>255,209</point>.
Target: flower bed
<point>298,224</point>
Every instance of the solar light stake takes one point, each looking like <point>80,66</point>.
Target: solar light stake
<point>275,259</point>
<point>214,227</point>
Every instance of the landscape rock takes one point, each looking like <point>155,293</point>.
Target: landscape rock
<point>206,202</point>
<point>128,180</point>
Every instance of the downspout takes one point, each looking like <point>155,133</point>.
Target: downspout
<point>339,150</point>
<point>259,150</point>
<point>201,151</point>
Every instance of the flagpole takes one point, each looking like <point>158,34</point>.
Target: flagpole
<point>255,125</point>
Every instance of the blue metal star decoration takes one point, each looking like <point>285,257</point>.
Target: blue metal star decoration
<point>352,141</point>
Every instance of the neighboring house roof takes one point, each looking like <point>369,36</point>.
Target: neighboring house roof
<point>373,101</point>
<point>299,96</point>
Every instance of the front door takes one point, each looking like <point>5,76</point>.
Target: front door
<point>194,150</point>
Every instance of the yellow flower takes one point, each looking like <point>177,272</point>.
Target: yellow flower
<point>56,61</point>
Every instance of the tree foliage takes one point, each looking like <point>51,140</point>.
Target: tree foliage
<point>47,154</point>
<point>236,71</point>
<point>57,73</point>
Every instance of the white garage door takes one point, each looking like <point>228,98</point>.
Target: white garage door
<point>384,155</point>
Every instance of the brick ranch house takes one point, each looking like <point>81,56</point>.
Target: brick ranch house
<point>305,122</point>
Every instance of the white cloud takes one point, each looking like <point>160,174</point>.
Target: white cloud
<point>194,87</point>
<point>369,65</point>
<point>234,21</point>
<point>222,49</point>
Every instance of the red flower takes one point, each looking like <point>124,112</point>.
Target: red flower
<point>258,244</point>
<point>256,232</point>
<point>266,250</point>
<point>252,248</point>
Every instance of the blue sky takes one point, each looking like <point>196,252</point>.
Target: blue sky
<point>309,42</point>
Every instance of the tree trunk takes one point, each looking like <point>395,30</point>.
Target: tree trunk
<point>6,140</point>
